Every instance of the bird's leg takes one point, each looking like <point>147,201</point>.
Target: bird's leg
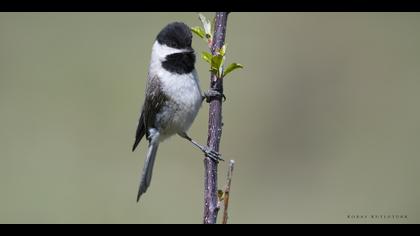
<point>212,93</point>
<point>215,156</point>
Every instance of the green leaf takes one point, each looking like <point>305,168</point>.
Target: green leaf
<point>231,68</point>
<point>214,71</point>
<point>222,51</point>
<point>207,26</point>
<point>207,57</point>
<point>199,31</point>
<point>217,63</point>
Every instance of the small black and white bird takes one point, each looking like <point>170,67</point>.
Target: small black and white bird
<point>173,96</point>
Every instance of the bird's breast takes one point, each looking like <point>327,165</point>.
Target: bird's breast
<point>184,100</point>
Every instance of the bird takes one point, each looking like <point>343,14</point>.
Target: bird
<point>172,98</point>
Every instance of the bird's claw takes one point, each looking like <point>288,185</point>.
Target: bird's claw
<point>215,156</point>
<point>211,93</point>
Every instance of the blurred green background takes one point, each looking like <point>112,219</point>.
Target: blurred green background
<point>323,122</point>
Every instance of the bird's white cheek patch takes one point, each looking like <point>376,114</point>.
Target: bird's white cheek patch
<point>161,51</point>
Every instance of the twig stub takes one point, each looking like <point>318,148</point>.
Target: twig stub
<point>227,191</point>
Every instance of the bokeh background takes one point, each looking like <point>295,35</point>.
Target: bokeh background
<point>323,122</point>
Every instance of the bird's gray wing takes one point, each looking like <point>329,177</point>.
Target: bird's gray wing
<point>155,99</point>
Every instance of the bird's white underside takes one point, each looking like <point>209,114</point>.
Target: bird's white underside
<point>184,89</point>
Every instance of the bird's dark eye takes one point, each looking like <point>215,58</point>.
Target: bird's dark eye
<point>173,44</point>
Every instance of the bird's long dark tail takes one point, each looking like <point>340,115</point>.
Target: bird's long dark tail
<point>146,176</point>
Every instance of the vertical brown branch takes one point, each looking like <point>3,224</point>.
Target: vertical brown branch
<point>215,127</point>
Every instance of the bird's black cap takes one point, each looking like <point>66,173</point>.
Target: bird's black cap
<point>176,35</point>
